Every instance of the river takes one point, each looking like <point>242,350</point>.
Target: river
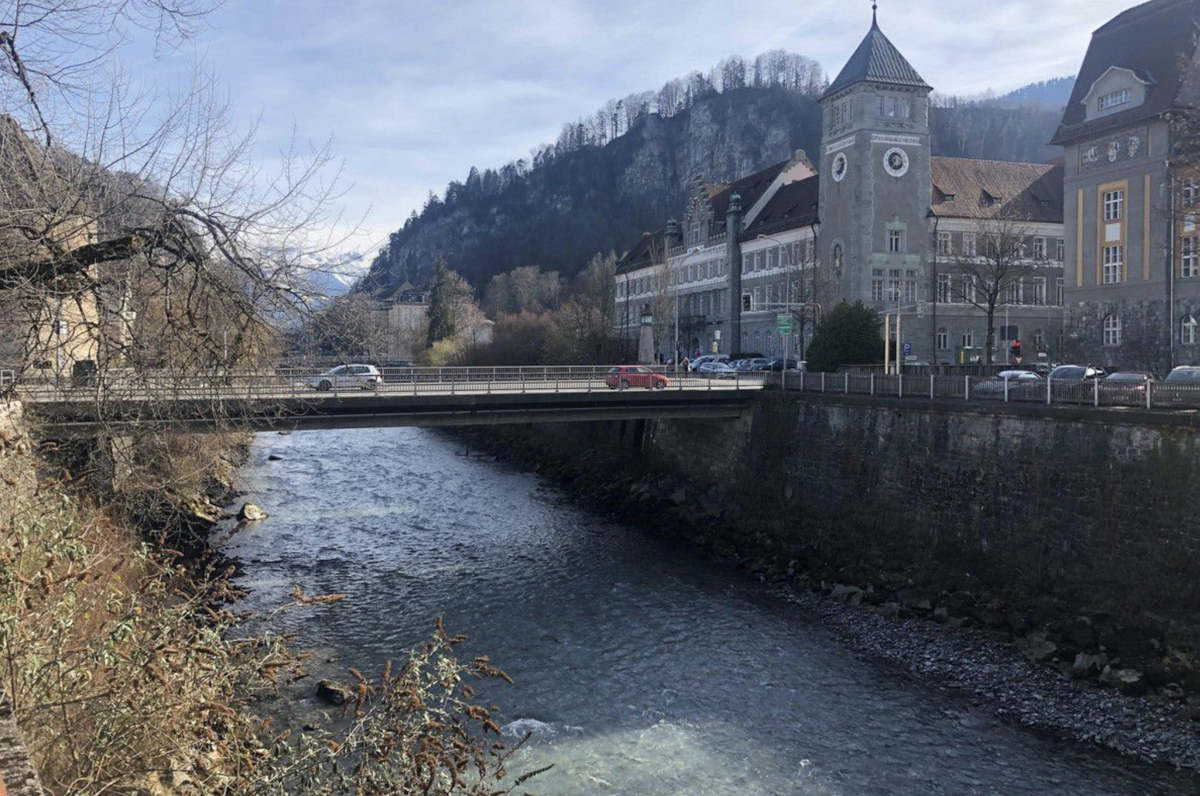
<point>644,666</point>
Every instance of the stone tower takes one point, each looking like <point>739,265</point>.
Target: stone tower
<point>875,185</point>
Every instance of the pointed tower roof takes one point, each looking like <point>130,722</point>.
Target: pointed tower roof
<point>876,60</point>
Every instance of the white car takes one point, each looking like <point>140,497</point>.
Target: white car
<point>716,370</point>
<point>344,377</point>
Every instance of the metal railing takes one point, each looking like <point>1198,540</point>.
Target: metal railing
<point>291,382</point>
<point>1090,392</point>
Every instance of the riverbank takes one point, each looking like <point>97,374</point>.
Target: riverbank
<point>117,668</point>
<point>1081,672</point>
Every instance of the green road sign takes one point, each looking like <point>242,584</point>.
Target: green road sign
<point>784,322</point>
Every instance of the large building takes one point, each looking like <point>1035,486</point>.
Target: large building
<point>1133,279</point>
<point>885,223</point>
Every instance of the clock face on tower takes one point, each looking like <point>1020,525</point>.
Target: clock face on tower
<point>839,166</point>
<point>895,162</point>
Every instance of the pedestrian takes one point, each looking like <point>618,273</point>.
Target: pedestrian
<point>686,364</point>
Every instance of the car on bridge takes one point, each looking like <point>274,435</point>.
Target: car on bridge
<point>345,377</point>
<point>716,370</point>
<point>1021,384</point>
<point>622,377</point>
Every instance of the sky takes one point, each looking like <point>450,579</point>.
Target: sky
<point>413,94</point>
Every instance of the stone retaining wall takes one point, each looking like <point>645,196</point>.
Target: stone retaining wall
<point>1074,530</point>
<point>19,479</point>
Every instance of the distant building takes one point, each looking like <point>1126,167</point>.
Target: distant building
<point>1133,274</point>
<point>787,241</point>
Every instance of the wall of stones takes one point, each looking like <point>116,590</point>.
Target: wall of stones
<point>18,479</point>
<point>1090,511</point>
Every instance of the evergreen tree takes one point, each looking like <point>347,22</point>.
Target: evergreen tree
<point>442,302</point>
<point>847,336</point>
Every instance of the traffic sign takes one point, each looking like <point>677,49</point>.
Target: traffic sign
<point>784,322</point>
<point>908,349</point>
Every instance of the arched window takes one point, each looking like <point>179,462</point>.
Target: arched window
<point>1112,330</point>
<point>835,259</point>
<point>1187,330</point>
<point>943,339</point>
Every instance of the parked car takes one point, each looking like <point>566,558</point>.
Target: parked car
<point>1181,387</point>
<point>716,370</point>
<point>751,365</point>
<point>1184,374</point>
<point>1076,373</point>
<point>343,377</point>
<point>1021,383</point>
<point>1127,387</point>
<point>623,377</point>
<point>695,364</point>
<point>778,364</point>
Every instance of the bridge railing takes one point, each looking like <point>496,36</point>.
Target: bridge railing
<point>1091,392</point>
<point>292,383</point>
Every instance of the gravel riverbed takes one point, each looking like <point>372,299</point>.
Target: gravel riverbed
<point>995,676</point>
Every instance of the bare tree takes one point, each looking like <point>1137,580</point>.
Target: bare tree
<point>986,277</point>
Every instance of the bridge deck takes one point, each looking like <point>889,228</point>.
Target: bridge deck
<point>261,404</point>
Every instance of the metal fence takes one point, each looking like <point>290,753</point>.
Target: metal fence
<point>1091,392</point>
<point>291,382</point>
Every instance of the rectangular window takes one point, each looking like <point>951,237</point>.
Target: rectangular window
<point>968,338</point>
<point>943,339</point>
<point>1039,248</point>
<point>1187,330</point>
<point>893,294</point>
<point>1014,292</point>
<point>1189,263</point>
<point>1114,205</point>
<point>877,284</point>
<point>1114,265</point>
<point>1188,194</point>
<point>968,244</point>
<point>1113,99</point>
<point>758,297</point>
<point>943,244</point>
<point>1058,291</point>
<point>1039,290</point>
<point>773,257</point>
<point>1058,250</point>
<point>945,288</point>
<point>895,241</point>
<point>1112,330</point>
<point>910,286</point>
<point>967,290</point>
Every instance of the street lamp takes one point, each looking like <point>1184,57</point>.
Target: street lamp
<point>933,314</point>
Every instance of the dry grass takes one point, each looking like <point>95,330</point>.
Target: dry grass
<point>125,676</point>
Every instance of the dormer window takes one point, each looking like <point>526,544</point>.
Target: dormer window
<point>1112,99</point>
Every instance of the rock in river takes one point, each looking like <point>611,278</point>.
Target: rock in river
<point>251,513</point>
<point>334,692</point>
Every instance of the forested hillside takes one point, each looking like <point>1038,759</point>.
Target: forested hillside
<point>625,169</point>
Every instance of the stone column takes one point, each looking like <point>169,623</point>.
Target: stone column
<point>733,230</point>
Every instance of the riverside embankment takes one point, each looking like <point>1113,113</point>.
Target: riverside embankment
<point>117,673</point>
<point>641,664</point>
<point>1044,562</point>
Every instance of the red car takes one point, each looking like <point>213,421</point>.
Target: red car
<point>624,376</point>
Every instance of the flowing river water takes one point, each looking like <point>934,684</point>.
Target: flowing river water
<point>642,665</point>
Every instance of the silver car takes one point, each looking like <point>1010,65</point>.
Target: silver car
<point>346,377</point>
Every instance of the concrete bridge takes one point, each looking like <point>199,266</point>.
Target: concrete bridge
<point>402,397</point>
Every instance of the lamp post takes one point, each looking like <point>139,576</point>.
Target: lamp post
<point>933,313</point>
